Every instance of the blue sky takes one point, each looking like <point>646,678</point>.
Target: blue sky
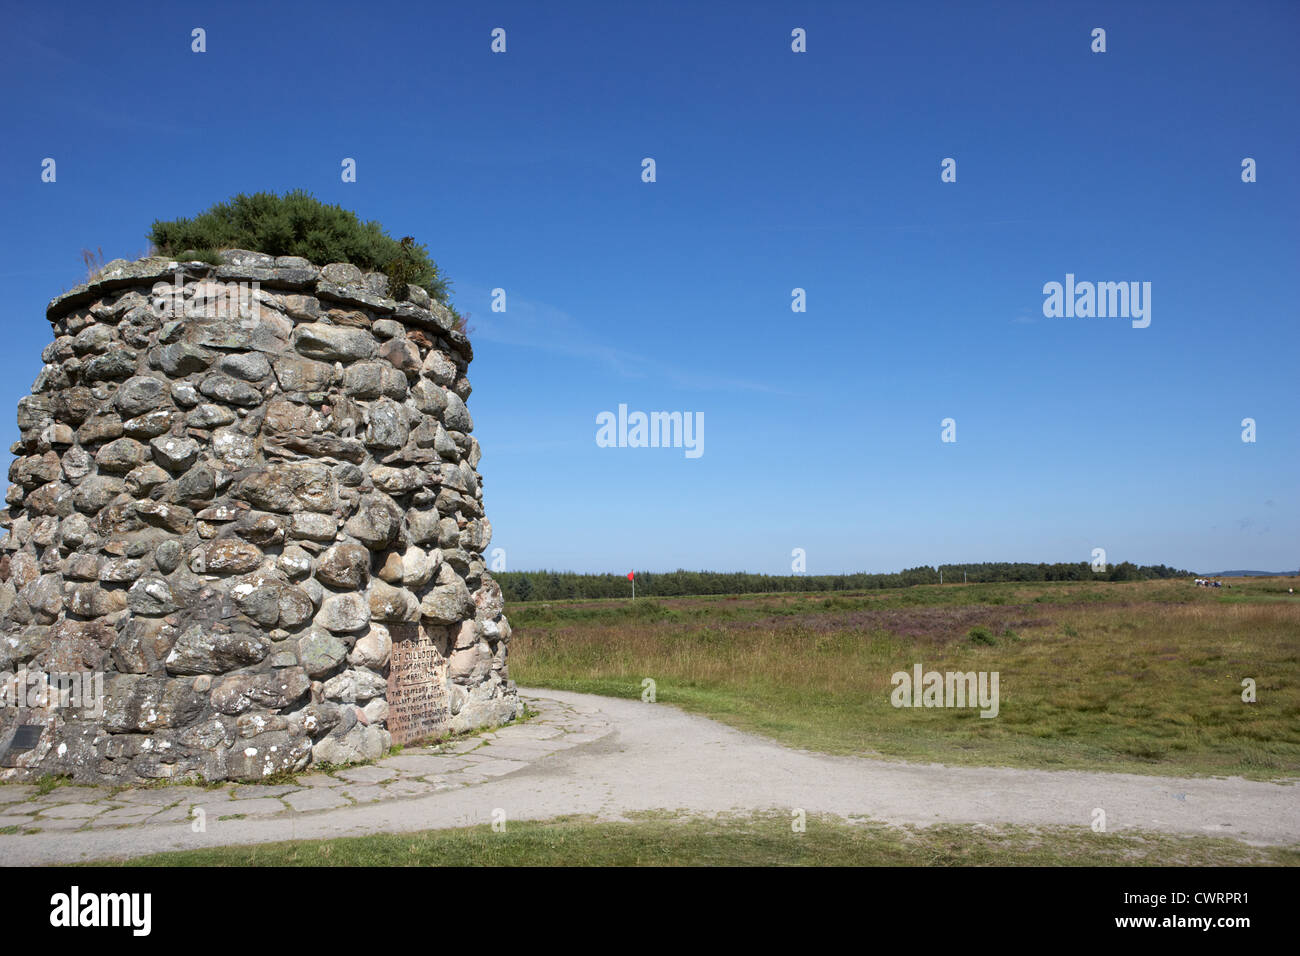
<point>775,170</point>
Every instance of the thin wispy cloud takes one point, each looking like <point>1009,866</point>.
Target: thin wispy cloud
<point>531,324</point>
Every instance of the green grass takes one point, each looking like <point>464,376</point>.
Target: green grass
<point>760,840</point>
<point>49,782</point>
<point>1140,677</point>
<point>208,254</point>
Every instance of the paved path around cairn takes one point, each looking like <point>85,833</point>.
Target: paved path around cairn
<point>609,758</point>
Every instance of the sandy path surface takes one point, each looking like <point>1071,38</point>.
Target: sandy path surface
<point>634,756</point>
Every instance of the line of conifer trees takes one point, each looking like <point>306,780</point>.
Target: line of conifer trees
<point>561,585</point>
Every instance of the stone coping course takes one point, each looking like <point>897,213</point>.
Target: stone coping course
<point>338,281</point>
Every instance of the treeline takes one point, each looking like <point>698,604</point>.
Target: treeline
<point>561,585</point>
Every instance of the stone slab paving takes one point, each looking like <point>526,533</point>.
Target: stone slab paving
<point>413,772</point>
<point>316,798</point>
<point>377,773</point>
<point>234,809</point>
<point>413,788</point>
<point>363,793</point>
<point>113,818</point>
<point>256,791</point>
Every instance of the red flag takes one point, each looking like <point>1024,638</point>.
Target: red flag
<point>630,576</point>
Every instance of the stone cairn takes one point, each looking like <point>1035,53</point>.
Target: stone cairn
<point>245,511</point>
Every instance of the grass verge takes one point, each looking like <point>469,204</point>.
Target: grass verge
<point>759,840</point>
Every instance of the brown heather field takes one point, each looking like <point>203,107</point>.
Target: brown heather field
<point>1143,677</point>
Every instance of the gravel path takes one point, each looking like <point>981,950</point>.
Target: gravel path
<point>610,757</point>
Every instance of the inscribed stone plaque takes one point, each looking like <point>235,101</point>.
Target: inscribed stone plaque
<point>417,685</point>
<point>26,736</point>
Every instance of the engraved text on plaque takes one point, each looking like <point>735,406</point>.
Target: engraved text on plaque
<point>417,685</point>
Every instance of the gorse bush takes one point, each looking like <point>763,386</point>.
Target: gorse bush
<point>407,266</point>
<point>298,224</point>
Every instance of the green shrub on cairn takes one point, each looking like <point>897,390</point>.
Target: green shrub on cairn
<point>298,224</point>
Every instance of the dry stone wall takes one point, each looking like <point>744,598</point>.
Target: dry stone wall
<point>246,497</point>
